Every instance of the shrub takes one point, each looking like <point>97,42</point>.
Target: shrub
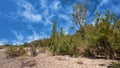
<point>60,43</point>
<point>33,51</point>
<point>1,47</point>
<point>15,52</point>
<point>63,46</point>
<point>115,65</point>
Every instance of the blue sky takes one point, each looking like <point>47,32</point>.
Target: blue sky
<point>27,20</point>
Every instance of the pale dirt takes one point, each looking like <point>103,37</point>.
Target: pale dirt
<point>45,60</point>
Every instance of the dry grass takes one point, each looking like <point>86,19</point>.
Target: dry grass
<point>79,61</point>
<point>1,47</point>
<point>48,53</point>
<point>12,52</point>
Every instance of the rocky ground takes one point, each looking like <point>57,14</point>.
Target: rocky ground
<point>46,60</point>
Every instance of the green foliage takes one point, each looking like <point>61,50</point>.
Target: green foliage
<point>15,52</point>
<point>79,16</point>
<point>54,30</point>
<point>115,65</point>
<point>60,43</point>
<point>103,38</point>
<point>99,39</point>
<point>26,45</point>
<point>64,46</point>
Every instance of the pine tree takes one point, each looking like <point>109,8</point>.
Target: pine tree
<point>54,30</point>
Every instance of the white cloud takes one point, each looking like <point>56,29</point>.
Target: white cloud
<point>43,3</point>
<point>27,11</point>
<point>93,22</point>
<point>3,41</point>
<point>64,17</point>
<point>47,14</point>
<point>35,36</point>
<point>24,4</point>
<point>56,5</point>
<point>17,35</point>
<point>103,2</point>
<point>32,17</point>
<point>66,30</point>
<point>48,19</point>
<point>14,42</point>
<point>19,38</point>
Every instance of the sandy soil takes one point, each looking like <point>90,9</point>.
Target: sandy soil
<point>8,63</point>
<point>45,60</point>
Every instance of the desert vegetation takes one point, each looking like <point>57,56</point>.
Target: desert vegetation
<point>101,39</point>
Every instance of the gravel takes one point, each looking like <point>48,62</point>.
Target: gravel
<point>44,60</point>
<point>8,63</point>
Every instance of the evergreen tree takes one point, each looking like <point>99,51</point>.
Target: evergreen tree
<point>54,29</point>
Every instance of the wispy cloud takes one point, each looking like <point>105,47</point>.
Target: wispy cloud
<point>17,35</point>
<point>56,5</point>
<point>19,38</point>
<point>112,5</point>
<point>103,2</point>
<point>48,19</point>
<point>3,41</point>
<point>36,18</point>
<point>44,12</point>
<point>35,36</point>
<point>50,10</point>
<point>43,3</point>
<point>63,16</point>
<point>28,11</point>
<point>8,16</point>
<point>14,42</point>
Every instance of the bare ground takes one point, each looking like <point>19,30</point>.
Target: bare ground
<point>46,60</point>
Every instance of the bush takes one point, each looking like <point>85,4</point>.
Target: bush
<point>90,52</point>
<point>115,65</point>
<point>33,51</point>
<point>63,46</point>
<point>1,47</point>
<point>12,52</point>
